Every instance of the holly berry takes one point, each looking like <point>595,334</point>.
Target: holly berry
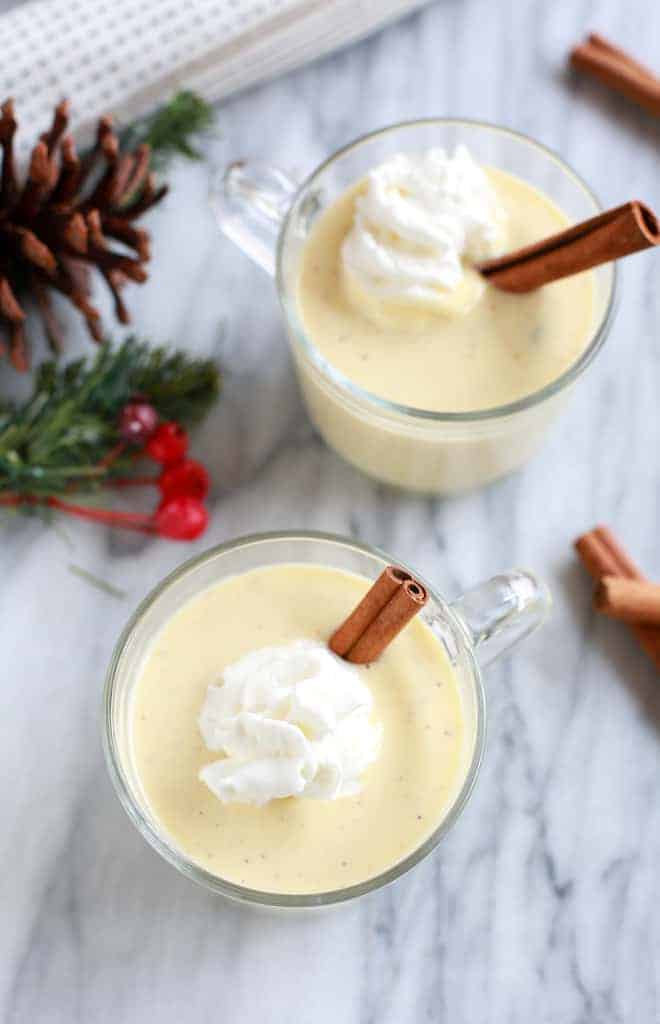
<point>168,444</point>
<point>137,421</point>
<point>181,518</point>
<point>188,477</point>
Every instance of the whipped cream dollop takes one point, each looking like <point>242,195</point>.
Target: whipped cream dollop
<point>289,721</point>
<point>419,223</point>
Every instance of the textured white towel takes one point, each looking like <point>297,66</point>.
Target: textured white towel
<point>128,56</point>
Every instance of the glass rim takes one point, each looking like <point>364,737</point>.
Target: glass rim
<point>385,405</point>
<point>176,857</point>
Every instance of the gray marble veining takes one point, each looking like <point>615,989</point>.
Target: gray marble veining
<point>543,903</point>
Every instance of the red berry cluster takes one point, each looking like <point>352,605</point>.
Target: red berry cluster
<point>183,483</point>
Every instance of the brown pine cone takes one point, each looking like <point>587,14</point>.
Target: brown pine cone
<point>58,225</point>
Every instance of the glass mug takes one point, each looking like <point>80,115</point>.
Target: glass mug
<point>269,217</point>
<point>474,629</point>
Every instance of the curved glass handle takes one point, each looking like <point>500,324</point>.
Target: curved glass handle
<point>503,610</point>
<point>250,201</point>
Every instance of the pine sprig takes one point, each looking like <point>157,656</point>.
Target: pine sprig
<point>58,439</point>
<point>171,129</point>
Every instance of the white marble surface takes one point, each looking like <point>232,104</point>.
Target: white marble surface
<point>543,904</point>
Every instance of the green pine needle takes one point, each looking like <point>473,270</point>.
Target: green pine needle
<point>170,130</point>
<point>97,581</point>
<point>56,441</point>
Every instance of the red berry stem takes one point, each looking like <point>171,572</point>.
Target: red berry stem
<point>127,520</point>
<point>181,514</point>
<point>187,477</point>
<point>131,481</point>
<point>113,454</point>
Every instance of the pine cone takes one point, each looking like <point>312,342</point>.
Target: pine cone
<point>58,224</point>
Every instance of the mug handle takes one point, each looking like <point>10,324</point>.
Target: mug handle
<point>499,613</point>
<point>250,201</point>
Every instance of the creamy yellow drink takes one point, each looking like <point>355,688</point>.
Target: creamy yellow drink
<point>375,755</point>
<point>388,295</point>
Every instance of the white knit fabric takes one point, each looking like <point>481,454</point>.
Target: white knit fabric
<point>128,56</point>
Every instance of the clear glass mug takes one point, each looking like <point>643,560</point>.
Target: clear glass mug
<point>269,217</point>
<point>474,629</point>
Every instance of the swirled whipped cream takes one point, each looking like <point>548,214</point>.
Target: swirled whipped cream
<point>419,223</point>
<point>289,721</point>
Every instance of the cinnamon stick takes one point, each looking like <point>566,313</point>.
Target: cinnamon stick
<point>618,70</point>
<point>393,600</point>
<point>609,236</point>
<point>602,555</point>
<point>397,613</point>
<point>629,600</point>
<point>373,602</point>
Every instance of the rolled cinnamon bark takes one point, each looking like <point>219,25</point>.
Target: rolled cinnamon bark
<point>602,555</point>
<point>625,564</point>
<point>609,236</point>
<point>633,601</point>
<point>596,556</point>
<point>350,631</point>
<point>409,599</point>
<point>618,70</point>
